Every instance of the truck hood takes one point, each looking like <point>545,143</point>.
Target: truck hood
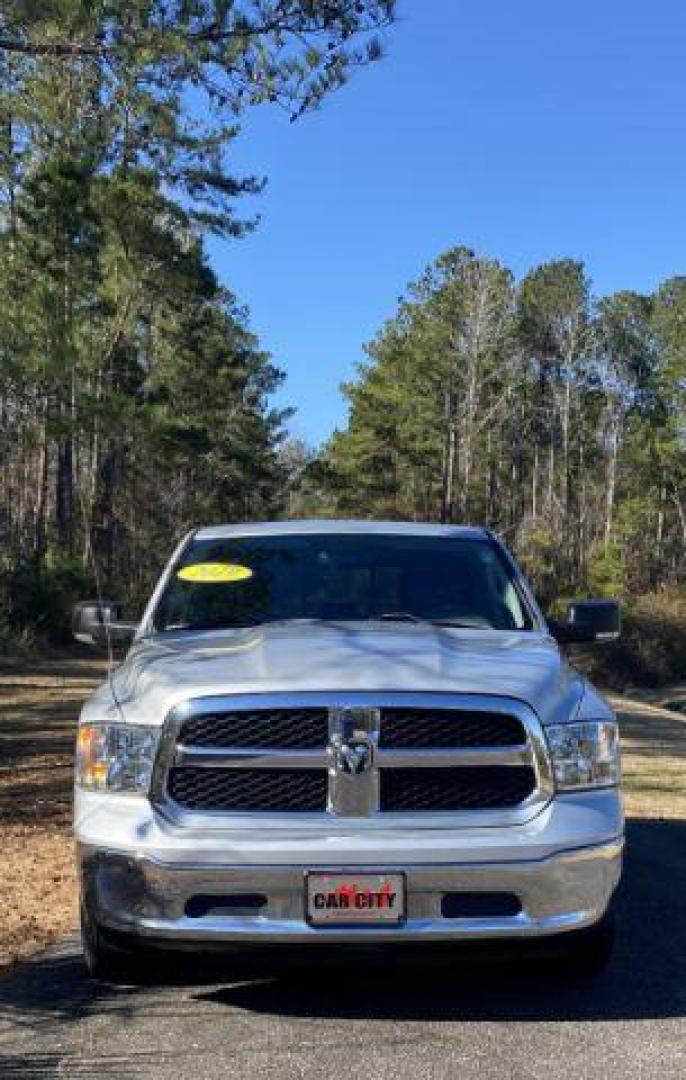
<point>162,670</point>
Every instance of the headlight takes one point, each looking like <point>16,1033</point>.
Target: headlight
<point>115,757</point>
<point>584,755</point>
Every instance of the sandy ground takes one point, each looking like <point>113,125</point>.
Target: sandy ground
<point>39,705</point>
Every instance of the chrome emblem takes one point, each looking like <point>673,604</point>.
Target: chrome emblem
<point>352,757</point>
<point>353,775</point>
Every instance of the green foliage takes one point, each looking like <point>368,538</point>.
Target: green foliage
<point>145,59</point>
<point>606,571</point>
<point>652,647</point>
<point>306,489</point>
<point>538,553</point>
<point>434,371</point>
<point>553,417</point>
<point>40,602</point>
<point>134,398</point>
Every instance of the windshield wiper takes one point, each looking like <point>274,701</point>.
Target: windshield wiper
<point>398,616</point>
<point>217,624</point>
<point>408,616</point>
<point>459,625</point>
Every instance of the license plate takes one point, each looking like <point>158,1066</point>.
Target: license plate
<point>355,899</point>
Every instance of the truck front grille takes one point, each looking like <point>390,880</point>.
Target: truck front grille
<point>373,755</point>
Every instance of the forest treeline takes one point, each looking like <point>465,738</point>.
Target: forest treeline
<point>134,397</point>
<point>554,416</point>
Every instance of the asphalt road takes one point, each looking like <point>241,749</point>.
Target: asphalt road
<point>377,1015</point>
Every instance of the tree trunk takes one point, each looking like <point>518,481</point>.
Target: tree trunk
<point>611,484</point>
<point>40,533</point>
<point>534,484</point>
<point>449,460</point>
<point>64,492</point>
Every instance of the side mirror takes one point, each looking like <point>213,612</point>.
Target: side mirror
<point>588,621</point>
<point>94,622</point>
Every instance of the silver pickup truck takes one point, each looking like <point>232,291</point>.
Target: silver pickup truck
<point>335,731</point>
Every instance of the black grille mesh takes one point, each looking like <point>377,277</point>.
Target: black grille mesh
<point>423,729</point>
<point>249,790</point>
<point>469,788</point>
<point>269,729</point>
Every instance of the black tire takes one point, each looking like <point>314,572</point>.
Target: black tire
<point>120,963</point>
<point>587,953</point>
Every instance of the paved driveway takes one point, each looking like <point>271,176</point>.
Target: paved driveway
<point>390,1018</point>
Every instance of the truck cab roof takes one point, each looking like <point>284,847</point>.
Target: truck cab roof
<point>334,525</point>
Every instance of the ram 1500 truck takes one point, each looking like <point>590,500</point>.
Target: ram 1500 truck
<point>346,732</point>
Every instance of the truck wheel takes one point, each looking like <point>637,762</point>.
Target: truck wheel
<point>588,952</point>
<point>104,960</point>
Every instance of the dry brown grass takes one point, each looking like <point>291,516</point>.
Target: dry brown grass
<point>654,757</point>
<point>650,651</point>
<point>39,704</point>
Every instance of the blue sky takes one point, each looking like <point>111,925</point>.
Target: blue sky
<point>527,129</point>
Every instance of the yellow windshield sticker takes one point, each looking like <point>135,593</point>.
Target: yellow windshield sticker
<point>213,573</point>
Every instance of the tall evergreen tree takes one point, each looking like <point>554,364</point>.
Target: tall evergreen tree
<point>535,408</point>
<point>134,399</point>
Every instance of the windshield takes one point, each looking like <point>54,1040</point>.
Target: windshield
<point>239,581</point>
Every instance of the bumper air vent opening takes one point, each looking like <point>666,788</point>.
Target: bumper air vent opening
<point>199,907</point>
<point>480,905</point>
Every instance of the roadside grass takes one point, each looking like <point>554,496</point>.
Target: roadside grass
<point>39,705</point>
<point>651,649</point>
<point>653,754</point>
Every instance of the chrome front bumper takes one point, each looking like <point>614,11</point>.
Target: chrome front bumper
<point>137,894</point>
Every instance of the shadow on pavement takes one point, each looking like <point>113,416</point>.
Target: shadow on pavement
<point>644,981</point>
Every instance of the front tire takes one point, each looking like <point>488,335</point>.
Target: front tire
<point>586,953</point>
<point>104,960</point>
